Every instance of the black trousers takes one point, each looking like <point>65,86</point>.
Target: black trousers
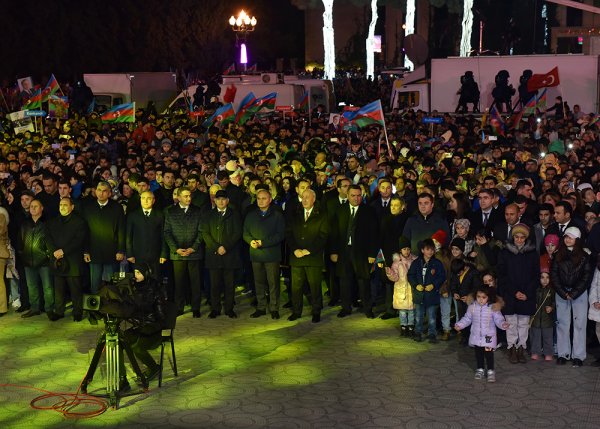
<point>482,355</point>
<point>140,344</point>
<point>188,281</point>
<point>313,276</point>
<point>222,282</point>
<point>76,290</point>
<point>354,275</point>
<point>332,280</point>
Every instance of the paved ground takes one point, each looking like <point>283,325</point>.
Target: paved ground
<point>340,373</point>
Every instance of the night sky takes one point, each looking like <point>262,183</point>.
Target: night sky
<point>71,37</point>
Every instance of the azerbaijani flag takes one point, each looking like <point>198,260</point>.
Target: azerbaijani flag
<point>370,114</point>
<point>121,113</point>
<point>252,68</point>
<point>266,102</point>
<point>541,101</point>
<point>496,122</point>
<point>241,115</point>
<point>529,108</point>
<point>380,259</point>
<point>230,69</point>
<point>34,102</point>
<point>303,105</point>
<point>223,114</point>
<point>51,88</point>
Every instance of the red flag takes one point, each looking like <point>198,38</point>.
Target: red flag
<point>229,95</point>
<point>547,80</point>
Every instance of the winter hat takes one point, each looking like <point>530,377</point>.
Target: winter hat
<point>545,268</point>
<point>520,228</point>
<point>403,242</point>
<point>440,236</point>
<point>573,232</point>
<point>458,242</point>
<point>465,223</point>
<point>551,239</point>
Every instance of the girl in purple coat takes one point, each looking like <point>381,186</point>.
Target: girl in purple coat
<point>483,321</point>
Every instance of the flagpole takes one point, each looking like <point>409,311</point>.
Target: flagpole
<point>385,133</point>
<point>4,100</point>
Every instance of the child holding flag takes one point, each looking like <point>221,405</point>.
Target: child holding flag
<point>402,300</point>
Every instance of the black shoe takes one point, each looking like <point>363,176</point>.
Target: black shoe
<point>213,314</point>
<point>287,304</point>
<point>418,338</point>
<point>77,317</point>
<point>196,314</point>
<point>316,318</point>
<point>433,339</point>
<point>561,361</point>
<point>31,313</point>
<point>232,314</point>
<point>369,314</point>
<point>356,304</point>
<point>180,313</point>
<point>22,309</point>
<point>258,313</point>
<point>344,313</point>
<point>151,373</point>
<point>54,317</point>
<point>333,303</point>
<point>386,316</point>
<point>293,317</point>
<point>596,363</point>
<point>275,315</point>
<point>577,363</point>
<point>403,331</point>
<point>3,314</point>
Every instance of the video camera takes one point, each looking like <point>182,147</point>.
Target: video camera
<point>114,299</point>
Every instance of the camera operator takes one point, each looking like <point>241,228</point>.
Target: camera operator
<point>150,312</point>
<point>469,93</point>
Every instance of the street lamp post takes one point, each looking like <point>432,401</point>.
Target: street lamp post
<point>241,26</point>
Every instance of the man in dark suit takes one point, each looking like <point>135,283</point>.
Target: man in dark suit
<point>199,199</point>
<point>222,233</point>
<point>354,248</point>
<point>330,204</point>
<point>381,203</point>
<point>164,194</point>
<point>184,241</point>
<point>486,216</point>
<point>306,235</point>
<point>502,230</point>
<point>68,234</point>
<point>563,215</point>
<point>106,245</point>
<point>144,237</point>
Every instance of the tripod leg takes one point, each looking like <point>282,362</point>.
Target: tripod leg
<point>94,364</point>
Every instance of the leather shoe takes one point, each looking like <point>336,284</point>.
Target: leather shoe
<point>287,304</point>
<point>54,317</point>
<point>293,317</point>
<point>369,314</point>
<point>344,313</point>
<point>196,314</point>
<point>275,315</point>
<point>31,313</point>
<point>232,314</point>
<point>561,361</point>
<point>333,303</point>
<point>258,313</point>
<point>213,314</point>
<point>77,318</point>
<point>316,318</point>
<point>22,309</point>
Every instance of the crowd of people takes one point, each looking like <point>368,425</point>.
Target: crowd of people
<point>429,224</point>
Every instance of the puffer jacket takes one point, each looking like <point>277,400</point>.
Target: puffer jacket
<point>518,271</point>
<point>402,298</point>
<point>426,273</point>
<point>483,321</point>
<point>33,245</point>
<point>569,278</point>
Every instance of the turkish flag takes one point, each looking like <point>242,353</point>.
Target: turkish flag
<point>229,95</point>
<point>538,81</point>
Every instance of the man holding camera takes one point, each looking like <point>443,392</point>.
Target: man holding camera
<point>67,236</point>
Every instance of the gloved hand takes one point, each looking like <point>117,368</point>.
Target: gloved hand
<point>428,288</point>
<point>419,288</point>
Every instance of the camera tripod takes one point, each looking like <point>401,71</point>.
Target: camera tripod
<point>110,342</point>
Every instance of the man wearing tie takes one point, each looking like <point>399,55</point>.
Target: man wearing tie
<point>144,236</point>
<point>106,244</point>
<point>184,240</point>
<point>486,216</point>
<point>354,248</point>
<point>382,202</point>
<point>563,215</point>
<point>306,237</point>
<point>222,233</point>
